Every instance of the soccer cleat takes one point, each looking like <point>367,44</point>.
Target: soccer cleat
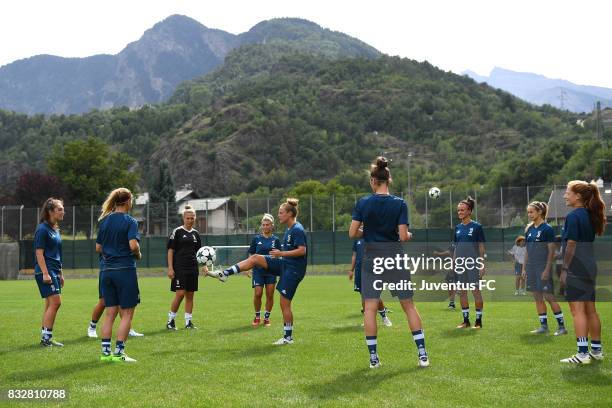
<point>106,358</point>
<point>478,324</point>
<point>423,361</point>
<point>464,325</point>
<point>597,355</point>
<point>516,293</point>
<point>219,275</point>
<point>282,341</point>
<point>540,330</point>
<point>387,322</point>
<point>171,325</point>
<point>91,332</point>
<point>267,323</point>
<point>190,326</point>
<point>451,306</point>
<point>375,363</point>
<point>256,322</point>
<point>51,343</point>
<point>561,331</point>
<point>122,358</point>
<point>578,358</point>
<point>134,333</point>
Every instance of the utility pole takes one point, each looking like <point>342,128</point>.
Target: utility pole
<point>562,98</point>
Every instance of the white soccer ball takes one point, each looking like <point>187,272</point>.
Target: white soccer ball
<point>206,256</point>
<point>434,192</point>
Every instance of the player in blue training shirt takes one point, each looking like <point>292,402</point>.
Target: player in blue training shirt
<point>469,260</point>
<point>48,266</point>
<point>118,243</point>
<point>537,268</point>
<point>579,270</point>
<point>355,276</point>
<point>262,244</point>
<point>290,263</point>
<point>383,218</point>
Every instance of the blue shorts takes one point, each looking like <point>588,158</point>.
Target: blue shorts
<point>518,268</point>
<point>535,282</point>
<point>468,276</point>
<point>289,281</point>
<point>262,277</point>
<point>49,289</point>
<point>100,286</point>
<point>120,288</point>
<point>275,265</point>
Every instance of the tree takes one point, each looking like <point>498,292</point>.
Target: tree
<point>161,192</point>
<point>90,170</point>
<point>33,188</point>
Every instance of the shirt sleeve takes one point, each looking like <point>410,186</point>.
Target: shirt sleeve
<point>571,227</point>
<point>133,230</point>
<point>171,241</point>
<point>40,238</point>
<point>550,235</point>
<point>253,246</point>
<point>299,238</point>
<point>357,211</point>
<point>403,218</point>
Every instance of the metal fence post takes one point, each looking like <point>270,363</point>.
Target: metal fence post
<point>147,219</point>
<point>21,223</point>
<point>226,220</point>
<point>528,195</point>
<point>501,205</point>
<point>554,195</point>
<point>476,204</point>
<point>311,229</point>
<point>247,215</point>
<point>207,217</point>
<point>450,206</point>
<point>426,211</point>
<point>91,222</point>
<point>334,212</point>
<point>167,218</point>
<point>73,237</point>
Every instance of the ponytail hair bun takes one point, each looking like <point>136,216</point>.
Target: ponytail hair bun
<point>379,170</point>
<point>469,202</point>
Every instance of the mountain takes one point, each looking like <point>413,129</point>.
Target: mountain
<point>148,70</point>
<point>540,90</point>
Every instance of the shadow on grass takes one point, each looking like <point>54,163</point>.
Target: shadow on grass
<point>55,372</point>
<point>36,346</point>
<point>586,374</point>
<point>529,338</point>
<point>354,328</point>
<point>234,330</point>
<point>459,332</point>
<point>359,381</point>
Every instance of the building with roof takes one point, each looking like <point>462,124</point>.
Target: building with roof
<point>557,210</point>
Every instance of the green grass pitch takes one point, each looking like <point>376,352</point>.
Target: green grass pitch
<point>228,363</point>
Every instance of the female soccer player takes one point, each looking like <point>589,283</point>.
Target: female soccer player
<point>290,263</point>
<point>518,252</point>
<point>48,266</point>
<point>117,242</point>
<point>262,244</point>
<point>355,276</point>
<point>383,218</point>
<point>537,269</point>
<point>469,246</point>
<point>183,245</point>
<point>579,270</point>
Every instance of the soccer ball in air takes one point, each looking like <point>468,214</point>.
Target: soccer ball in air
<point>206,256</point>
<point>434,192</point>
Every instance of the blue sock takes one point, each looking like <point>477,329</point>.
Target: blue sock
<point>46,334</point>
<point>543,320</point>
<point>583,344</point>
<point>596,346</point>
<point>383,312</point>
<point>371,343</point>
<point>119,347</point>
<point>466,315</point>
<point>266,315</point>
<point>106,347</point>
<point>478,314</point>
<point>559,317</point>
<point>288,330</point>
<point>419,339</point>
<point>231,270</point>
<point>258,314</point>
